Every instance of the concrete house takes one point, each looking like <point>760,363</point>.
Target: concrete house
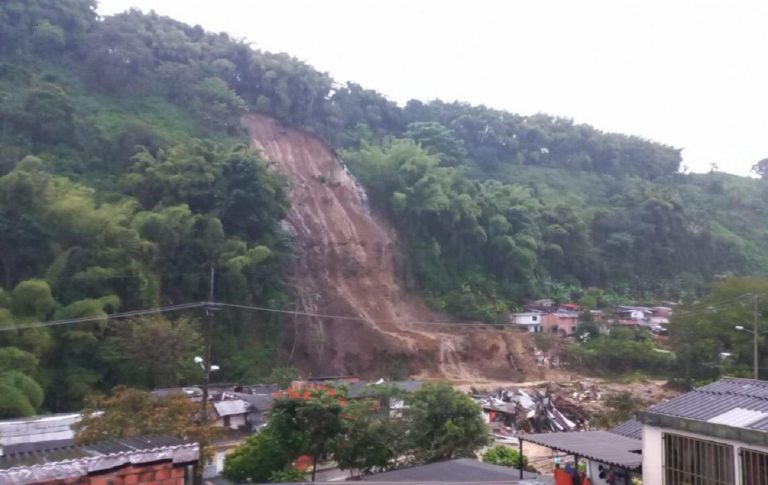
<point>530,321</point>
<point>716,434</point>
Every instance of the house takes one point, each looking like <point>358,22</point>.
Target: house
<point>530,321</point>
<point>634,314</point>
<point>661,312</point>
<point>570,307</point>
<point>258,407</point>
<point>127,461</point>
<point>560,321</point>
<point>716,434</point>
<point>231,413</point>
<point>540,305</point>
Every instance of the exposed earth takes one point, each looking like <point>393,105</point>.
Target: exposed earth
<point>349,263</point>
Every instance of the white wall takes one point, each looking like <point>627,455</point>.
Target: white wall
<point>653,451</point>
<point>526,318</point>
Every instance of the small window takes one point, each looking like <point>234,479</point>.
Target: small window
<point>689,460</point>
<point>754,467</point>
<point>535,318</point>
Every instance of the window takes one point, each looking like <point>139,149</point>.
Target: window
<point>754,467</point>
<point>690,460</point>
<point>534,318</point>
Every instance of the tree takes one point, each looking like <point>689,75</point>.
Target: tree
<point>702,331</point>
<point>301,422</point>
<point>283,376</point>
<point>258,459</point>
<point>620,406</point>
<point>444,424</point>
<point>20,394</point>
<point>439,140</point>
<point>761,168</point>
<point>311,420</point>
<point>130,412</point>
<point>505,456</point>
<point>372,439</point>
<point>159,350</point>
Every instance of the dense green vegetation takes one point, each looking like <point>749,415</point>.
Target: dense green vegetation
<point>362,435</point>
<point>505,456</point>
<point>120,190</point>
<point>124,178</point>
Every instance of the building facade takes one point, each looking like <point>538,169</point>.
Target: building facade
<point>714,435</point>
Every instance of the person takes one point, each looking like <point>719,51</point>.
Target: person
<point>584,479</point>
<point>561,476</point>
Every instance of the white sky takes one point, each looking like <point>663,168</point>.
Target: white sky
<point>688,73</point>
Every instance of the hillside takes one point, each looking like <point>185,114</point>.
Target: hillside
<point>126,177</point>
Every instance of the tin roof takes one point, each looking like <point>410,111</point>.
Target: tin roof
<point>65,460</point>
<point>231,407</point>
<point>38,428</point>
<point>462,470</point>
<point>601,446</point>
<point>739,403</point>
<point>631,429</point>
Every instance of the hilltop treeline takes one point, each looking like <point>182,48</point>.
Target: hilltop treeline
<point>125,178</point>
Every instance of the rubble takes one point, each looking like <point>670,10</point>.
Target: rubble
<point>509,411</point>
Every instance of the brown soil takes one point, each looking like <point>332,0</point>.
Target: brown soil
<point>349,262</point>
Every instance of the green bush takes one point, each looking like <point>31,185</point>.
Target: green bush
<point>505,456</point>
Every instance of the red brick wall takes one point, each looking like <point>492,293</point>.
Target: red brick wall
<point>163,473</point>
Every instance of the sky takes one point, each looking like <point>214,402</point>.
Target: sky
<point>688,73</point>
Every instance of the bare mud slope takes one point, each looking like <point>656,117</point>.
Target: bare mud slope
<point>347,264</point>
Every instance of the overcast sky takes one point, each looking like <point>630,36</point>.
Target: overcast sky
<point>688,73</point>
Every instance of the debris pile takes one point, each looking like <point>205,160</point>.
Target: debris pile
<point>509,411</point>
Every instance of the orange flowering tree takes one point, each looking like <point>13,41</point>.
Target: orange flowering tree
<point>309,420</point>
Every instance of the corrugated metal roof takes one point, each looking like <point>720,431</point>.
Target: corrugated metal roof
<point>261,402</point>
<point>461,470</point>
<point>716,400</point>
<point>602,446</point>
<point>231,407</point>
<point>631,429</point>
<point>738,417</point>
<point>38,428</point>
<point>57,451</point>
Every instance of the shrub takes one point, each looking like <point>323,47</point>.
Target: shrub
<point>504,456</point>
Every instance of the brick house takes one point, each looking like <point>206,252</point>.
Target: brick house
<point>128,461</point>
<point>561,321</point>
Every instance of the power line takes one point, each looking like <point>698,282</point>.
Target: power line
<point>359,319</point>
<point>95,318</point>
<point>211,304</point>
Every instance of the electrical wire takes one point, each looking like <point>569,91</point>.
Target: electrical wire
<point>95,318</point>
<point>358,319</point>
<point>209,304</point>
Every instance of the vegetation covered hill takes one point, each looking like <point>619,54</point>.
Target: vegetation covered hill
<point>124,178</point>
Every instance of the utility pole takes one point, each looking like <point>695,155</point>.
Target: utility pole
<point>210,307</point>
<point>755,334</point>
